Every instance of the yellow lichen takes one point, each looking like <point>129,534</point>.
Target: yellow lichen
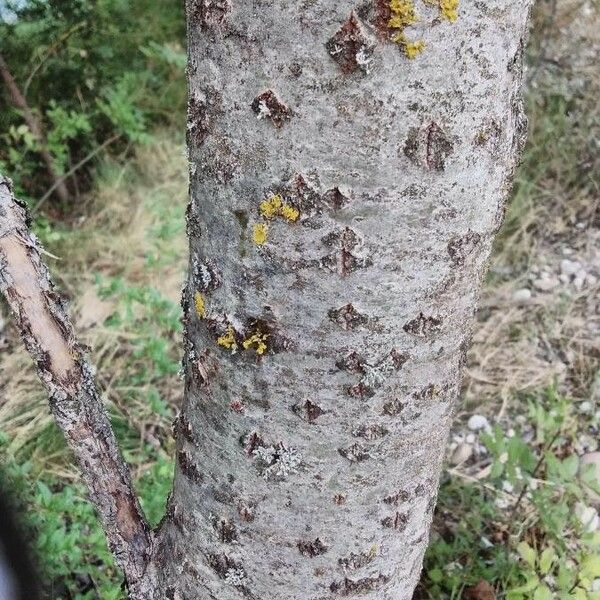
<point>410,49</point>
<point>403,14</point>
<point>413,49</point>
<point>200,305</point>
<point>227,340</point>
<point>271,207</point>
<point>274,206</point>
<point>259,340</point>
<point>289,213</point>
<point>449,9</point>
<point>259,234</point>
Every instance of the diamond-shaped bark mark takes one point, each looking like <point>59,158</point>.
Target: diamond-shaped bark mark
<point>357,561</point>
<point>351,47</point>
<point>307,410</point>
<point>398,522</point>
<point>347,317</point>
<point>184,429</point>
<point>377,13</point>
<point>461,247</point>
<point>311,548</point>
<point>335,198</point>
<point>394,407</point>
<point>352,587</point>
<point>355,453</point>
<point>439,147</point>
<point>251,442</point>
<point>372,375</point>
<point>198,124</point>
<point>360,391</point>
<point>429,392</point>
<point>429,146</point>
<point>226,531</point>
<point>188,467</point>
<point>370,432</point>
<point>423,326</point>
<point>352,363</point>
<point>346,259</point>
<point>209,12</point>
<point>268,106</point>
<point>224,565</point>
<point>397,498</point>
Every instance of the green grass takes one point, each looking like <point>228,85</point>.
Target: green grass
<point>518,528</point>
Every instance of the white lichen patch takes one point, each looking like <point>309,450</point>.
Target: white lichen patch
<point>277,462</point>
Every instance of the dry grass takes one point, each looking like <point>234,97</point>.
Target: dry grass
<point>555,336</point>
<point>123,237</point>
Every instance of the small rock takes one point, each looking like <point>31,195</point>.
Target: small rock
<point>569,267</point>
<point>596,585</point>
<point>588,516</point>
<point>591,458</point>
<point>461,454</point>
<point>508,487</point>
<point>522,296</point>
<point>546,284</point>
<point>477,423</point>
<point>585,407</point>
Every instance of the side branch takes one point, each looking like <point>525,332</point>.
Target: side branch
<point>35,125</point>
<point>74,400</point>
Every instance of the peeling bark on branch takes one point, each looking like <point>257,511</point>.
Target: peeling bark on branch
<point>74,399</point>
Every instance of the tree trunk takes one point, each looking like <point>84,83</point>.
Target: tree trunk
<point>343,204</point>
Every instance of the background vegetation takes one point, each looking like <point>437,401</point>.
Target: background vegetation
<point>516,516</point>
<point>94,73</point>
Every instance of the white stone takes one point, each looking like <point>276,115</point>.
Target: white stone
<point>461,454</point>
<point>477,423</point>
<point>585,407</point>
<point>591,458</point>
<point>508,487</point>
<point>545,284</point>
<point>521,296</point>
<point>569,267</point>
<point>588,517</point>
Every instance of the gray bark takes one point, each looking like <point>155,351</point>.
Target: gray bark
<point>343,203</point>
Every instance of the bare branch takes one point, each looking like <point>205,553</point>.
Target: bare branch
<point>74,400</point>
<point>18,100</point>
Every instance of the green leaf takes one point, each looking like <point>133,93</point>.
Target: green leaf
<point>542,593</point>
<point>569,467</point>
<point>436,575</point>
<point>529,586</point>
<point>547,559</point>
<point>527,553</point>
<point>590,567</point>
